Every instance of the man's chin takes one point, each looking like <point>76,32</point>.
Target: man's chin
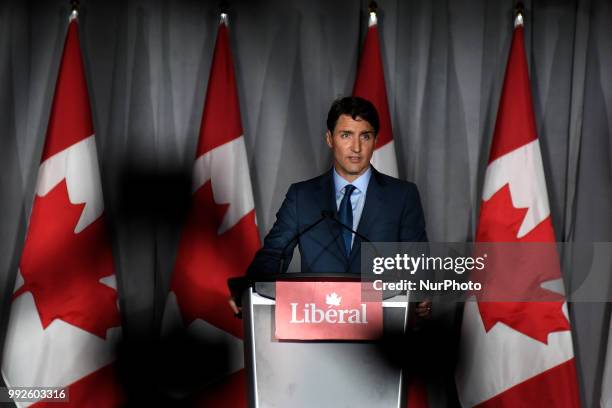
<point>355,170</point>
<point>352,170</point>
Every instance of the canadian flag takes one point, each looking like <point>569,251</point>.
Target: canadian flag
<point>64,319</point>
<point>516,354</point>
<point>370,85</point>
<point>220,236</point>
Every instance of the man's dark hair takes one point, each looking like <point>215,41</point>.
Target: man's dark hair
<point>354,107</point>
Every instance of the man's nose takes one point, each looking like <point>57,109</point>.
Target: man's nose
<point>356,145</point>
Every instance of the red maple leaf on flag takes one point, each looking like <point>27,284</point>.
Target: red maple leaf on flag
<point>206,260</point>
<point>520,271</point>
<point>62,269</point>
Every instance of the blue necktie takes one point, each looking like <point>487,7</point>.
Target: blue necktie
<point>345,213</point>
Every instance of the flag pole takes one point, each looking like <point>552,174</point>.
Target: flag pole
<point>519,12</point>
<point>373,9</point>
<point>74,9</point>
<point>224,11</point>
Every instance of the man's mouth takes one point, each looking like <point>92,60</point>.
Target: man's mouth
<point>354,159</point>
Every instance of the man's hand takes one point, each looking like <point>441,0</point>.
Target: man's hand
<point>423,309</point>
<point>237,310</point>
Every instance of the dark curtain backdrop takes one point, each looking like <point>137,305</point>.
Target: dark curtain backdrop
<point>147,66</point>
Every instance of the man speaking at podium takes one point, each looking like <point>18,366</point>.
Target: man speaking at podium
<point>319,214</point>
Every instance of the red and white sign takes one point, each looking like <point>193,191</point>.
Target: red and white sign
<point>325,311</point>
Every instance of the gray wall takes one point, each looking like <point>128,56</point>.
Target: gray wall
<point>147,65</point>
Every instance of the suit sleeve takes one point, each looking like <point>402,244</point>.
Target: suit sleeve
<point>279,243</point>
<point>413,219</point>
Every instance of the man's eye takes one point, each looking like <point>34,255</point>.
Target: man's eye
<point>344,135</point>
<point>366,136</point>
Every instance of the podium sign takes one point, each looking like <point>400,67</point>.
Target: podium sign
<point>322,372</point>
<point>325,311</point>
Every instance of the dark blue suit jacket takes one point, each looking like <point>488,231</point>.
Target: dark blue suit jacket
<point>392,213</point>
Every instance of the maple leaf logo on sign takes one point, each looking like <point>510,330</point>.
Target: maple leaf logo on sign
<point>333,299</point>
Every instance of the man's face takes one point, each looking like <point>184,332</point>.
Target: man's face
<point>352,145</point>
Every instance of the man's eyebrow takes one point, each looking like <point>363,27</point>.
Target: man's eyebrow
<point>345,131</point>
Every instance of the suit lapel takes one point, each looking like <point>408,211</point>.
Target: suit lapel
<point>328,203</point>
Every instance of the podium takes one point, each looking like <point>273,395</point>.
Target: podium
<point>327,373</point>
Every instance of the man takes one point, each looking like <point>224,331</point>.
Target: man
<point>379,207</point>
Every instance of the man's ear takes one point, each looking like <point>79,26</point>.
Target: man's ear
<point>328,139</point>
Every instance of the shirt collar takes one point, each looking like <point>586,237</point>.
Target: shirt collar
<point>361,182</point>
